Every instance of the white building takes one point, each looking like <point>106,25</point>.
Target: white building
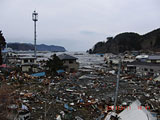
<point>28,64</point>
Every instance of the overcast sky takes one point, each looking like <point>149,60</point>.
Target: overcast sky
<point>76,24</point>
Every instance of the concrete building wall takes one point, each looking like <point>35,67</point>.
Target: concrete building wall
<point>153,61</point>
<point>147,69</point>
<point>28,61</point>
<point>71,65</point>
<point>28,68</point>
<point>12,60</point>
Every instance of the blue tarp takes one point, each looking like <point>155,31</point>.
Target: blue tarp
<point>41,74</point>
<point>68,108</point>
<point>101,54</point>
<point>60,71</point>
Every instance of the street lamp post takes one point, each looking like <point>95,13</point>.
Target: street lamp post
<point>35,19</point>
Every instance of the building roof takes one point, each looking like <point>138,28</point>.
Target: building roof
<point>66,57</point>
<point>137,63</point>
<point>27,64</point>
<point>141,56</point>
<point>22,58</point>
<point>4,66</point>
<point>6,50</point>
<point>154,57</point>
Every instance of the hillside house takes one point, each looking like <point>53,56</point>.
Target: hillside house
<point>69,63</point>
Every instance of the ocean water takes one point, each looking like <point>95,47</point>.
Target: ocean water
<point>84,59</point>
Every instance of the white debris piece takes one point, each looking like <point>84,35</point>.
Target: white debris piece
<point>58,117</point>
<point>136,112</point>
<point>157,79</point>
<point>24,107</point>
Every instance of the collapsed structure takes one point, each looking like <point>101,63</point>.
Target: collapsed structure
<point>85,94</point>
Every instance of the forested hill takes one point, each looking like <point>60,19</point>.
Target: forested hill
<point>129,41</point>
<point>41,47</point>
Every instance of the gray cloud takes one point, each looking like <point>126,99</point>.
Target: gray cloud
<point>88,32</point>
<point>63,22</point>
<point>91,33</point>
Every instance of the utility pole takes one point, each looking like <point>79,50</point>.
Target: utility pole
<point>35,19</point>
<point>117,86</point>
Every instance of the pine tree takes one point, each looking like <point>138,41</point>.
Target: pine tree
<point>53,64</point>
<point>2,45</point>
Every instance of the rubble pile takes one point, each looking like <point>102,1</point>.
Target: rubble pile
<point>85,95</point>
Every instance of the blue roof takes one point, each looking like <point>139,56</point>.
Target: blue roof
<point>100,54</point>
<point>60,71</point>
<point>41,74</point>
